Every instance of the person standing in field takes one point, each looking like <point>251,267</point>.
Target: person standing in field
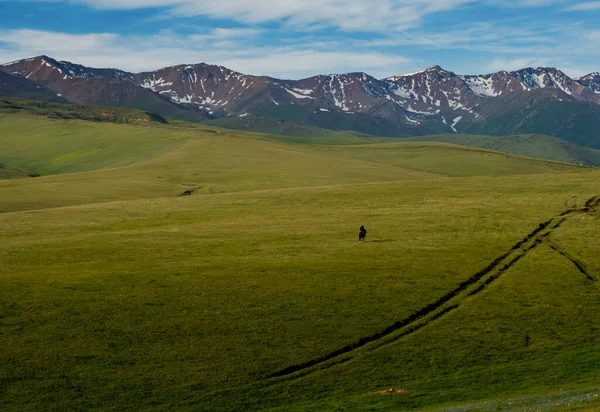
<point>362,234</point>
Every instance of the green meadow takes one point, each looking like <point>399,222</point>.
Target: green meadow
<point>476,288</point>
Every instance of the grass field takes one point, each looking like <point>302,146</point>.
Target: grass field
<point>254,293</point>
<point>533,145</point>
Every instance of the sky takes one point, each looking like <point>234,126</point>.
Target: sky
<point>295,39</point>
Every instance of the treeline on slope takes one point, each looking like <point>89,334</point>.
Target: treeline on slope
<point>11,172</point>
<point>81,112</point>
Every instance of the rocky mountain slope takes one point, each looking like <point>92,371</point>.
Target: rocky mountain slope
<point>429,101</point>
<point>18,87</point>
<point>591,81</point>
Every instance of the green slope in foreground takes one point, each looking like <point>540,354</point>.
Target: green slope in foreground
<point>192,303</point>
<point>159,302</point>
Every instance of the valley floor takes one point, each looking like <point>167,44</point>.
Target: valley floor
<point>475,289</point>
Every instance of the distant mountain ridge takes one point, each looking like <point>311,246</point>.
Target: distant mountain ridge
<point>13,86</point>
<point>433,100</point>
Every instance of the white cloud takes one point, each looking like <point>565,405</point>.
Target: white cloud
<point>134,53</point>
<point>592,36</point>
<point>28,40</point>
<point>593,5</point>
<point>515,64</point>
<point>347,15</point>
<point>286,49</point>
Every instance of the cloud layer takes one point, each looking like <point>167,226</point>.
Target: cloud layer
<point>294,39</point>
<point>230,48</point>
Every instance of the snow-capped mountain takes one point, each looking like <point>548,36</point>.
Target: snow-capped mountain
<point>435,89</point>
<point>222,91</point>
<point>591,81</point>
<point>429,101</point>
<point>44,68</point>
<point>215,89</point>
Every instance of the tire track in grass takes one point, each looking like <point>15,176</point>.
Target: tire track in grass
<point>579,265</point>
<point>592,203</point>
<point>437,309</point>
<point>446,303</point>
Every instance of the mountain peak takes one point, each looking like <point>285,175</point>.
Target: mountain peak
<point>436,68</point>
<point>432,69</point>
<point>587,76</point>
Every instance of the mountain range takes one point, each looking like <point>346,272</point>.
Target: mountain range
<point>541,100</point>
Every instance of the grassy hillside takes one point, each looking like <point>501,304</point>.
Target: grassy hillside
<point>448,160</point>
<point>476,288</point>
<point>533,145</point>
<point>192,303</point>
<point>47,146</point>
<point>125,162</point>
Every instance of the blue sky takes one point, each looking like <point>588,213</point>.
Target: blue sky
<point>301,38</point>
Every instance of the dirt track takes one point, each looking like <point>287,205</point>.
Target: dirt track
<point>451,300</point>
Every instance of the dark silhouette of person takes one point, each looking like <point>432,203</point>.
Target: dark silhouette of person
<point>362,234</point>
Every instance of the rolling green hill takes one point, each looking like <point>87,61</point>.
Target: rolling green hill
<point>192,303</point>
<point>535,145</point>
<point>126,162</point>
<point>476,288</point>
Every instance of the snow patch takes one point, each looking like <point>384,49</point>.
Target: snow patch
<point>180,100</point>
<point>560,86</point>
<point>410,109</point>
<point>298,95</point>
<point>481,86</point>
<point>399,76</point>
<point>455,122</point>
<point>302,91</point>
<point>540,80</point>
<point>404,93</point>
<point>152,84</point>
